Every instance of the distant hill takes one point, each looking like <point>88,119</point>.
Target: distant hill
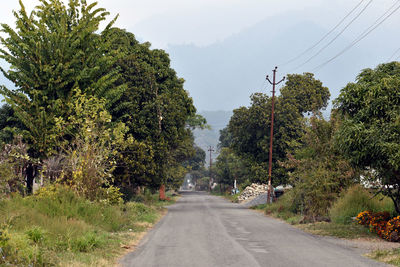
<point>206,138</point>
<point>223,75</point>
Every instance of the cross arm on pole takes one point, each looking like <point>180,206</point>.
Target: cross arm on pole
<point>269,80</point>
<point>284,78</point>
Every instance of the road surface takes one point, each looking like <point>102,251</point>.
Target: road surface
<point>208,231</point>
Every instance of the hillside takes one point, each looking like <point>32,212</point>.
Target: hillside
<point>223,75</point>
<point>206,138</point>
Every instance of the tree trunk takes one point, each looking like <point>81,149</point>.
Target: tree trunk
<point>30,175</point>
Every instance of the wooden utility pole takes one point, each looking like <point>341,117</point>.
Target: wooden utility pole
<point>211,180</point>
<point>161,194</point>
<point>274,83</point>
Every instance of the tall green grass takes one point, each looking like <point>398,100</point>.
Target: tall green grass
<point>355,200</point>
<point>41,230</point>
<point>284,208</point>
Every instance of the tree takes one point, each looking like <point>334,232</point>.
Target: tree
<point>58,50</point>
<point>370,133</point>
<point>229,167</point>
<point>197,161</point>
<point>53,51</point>
<point>317,170</point>
<point>155,107</point>
<point>225,138</point>
<point>249,127</point>
<point>9,124</point>
<point>91,153</point>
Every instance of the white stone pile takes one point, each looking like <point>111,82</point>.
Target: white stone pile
<point>252,191</point>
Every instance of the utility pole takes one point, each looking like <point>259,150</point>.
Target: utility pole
<point>211,180</point>
<point>274,83</point>
<point>161,194</point>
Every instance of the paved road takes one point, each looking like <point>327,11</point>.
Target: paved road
<point>203,230</point>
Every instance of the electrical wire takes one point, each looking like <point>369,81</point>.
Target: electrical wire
<point>364,34</point>
<point>337,36</point>
<point>393,55</point>
<point>262,85</point>
<point>323,38</point>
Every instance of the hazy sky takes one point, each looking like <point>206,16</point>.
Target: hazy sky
<point>204,22</point>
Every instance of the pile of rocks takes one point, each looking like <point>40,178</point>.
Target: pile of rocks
<point>252,191</point>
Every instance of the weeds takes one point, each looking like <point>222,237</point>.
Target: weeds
<point>48,229</point>
<point>355,200</point>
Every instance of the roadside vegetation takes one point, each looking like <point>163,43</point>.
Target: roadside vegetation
<point>94,124</point>
<point>338,167</point>
<point>388,256</point>
<point>56,227</point>
<point>97,122</point>
<point>341,218</point>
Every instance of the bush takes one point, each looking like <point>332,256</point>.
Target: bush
<point>392,232</point>
<point>364,217</point>
<point>41,229</point>
<point>378,221</point>
<point>35,234</point>
<point>112,195</point>
<point>355,200</point>
<point>87,242</point>
<point>17,250</point>
<point>285,208</point>
<point>381,224</point>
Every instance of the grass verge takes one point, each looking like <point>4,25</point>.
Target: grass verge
<point>63,229</point>
<point>388,256</point>
<point>348,231</point>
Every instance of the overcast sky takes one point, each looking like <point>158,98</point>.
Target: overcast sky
<point>203,22</point>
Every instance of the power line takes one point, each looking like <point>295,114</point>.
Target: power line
<point>324,37</point>
<point>392,56</point>
<point>262,85</point>
<point>364,34</point>
<point>337,36</point>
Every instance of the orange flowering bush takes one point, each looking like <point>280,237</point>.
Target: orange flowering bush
<point>381,224</point>
<point>378,222</point>
<point>364,217</point>
<point>392,232</point>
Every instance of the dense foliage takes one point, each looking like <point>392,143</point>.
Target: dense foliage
<point>370,132</point>
<point>56,227</point>
<point>94,107</point>
<point>317,170</point>
<point>249,128</point>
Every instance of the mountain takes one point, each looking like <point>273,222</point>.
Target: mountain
<point>223,75</point>
<point>206,138</point>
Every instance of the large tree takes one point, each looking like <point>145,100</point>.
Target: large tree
<point>317,170</point>
<point>59,49</point>
<point>370,132</point>
<point>52,51</point>
<point>249,127</point>
<point>155,107</point>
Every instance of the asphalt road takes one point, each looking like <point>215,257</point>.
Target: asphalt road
<point>203,230</point>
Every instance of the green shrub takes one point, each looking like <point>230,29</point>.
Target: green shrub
<point>284,208</point>
<point>17,250</point>
<point>35,234</point>
<point>55,223</point>
<point>87,242</point>
<point>355,200</point>
<point>112,195</point>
